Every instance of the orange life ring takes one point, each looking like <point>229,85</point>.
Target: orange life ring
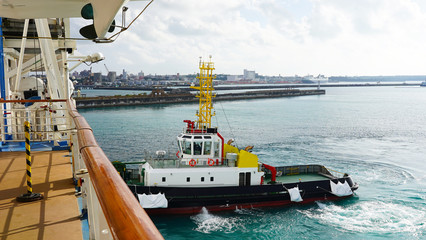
<point>248,148</point>
<point>211,162</point>
<point>192,162</point>
<point>177,154</point>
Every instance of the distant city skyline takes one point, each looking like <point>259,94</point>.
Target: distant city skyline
<point>333,38</point>
<point>242,74</point>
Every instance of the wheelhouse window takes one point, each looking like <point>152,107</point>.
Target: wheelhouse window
<point>187,147</point>
<point>207,148</point>
<point>198,147</point>
<point>216,149</point>
<point>180,145</point>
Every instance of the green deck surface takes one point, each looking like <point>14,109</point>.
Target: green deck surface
<point>300,177</point>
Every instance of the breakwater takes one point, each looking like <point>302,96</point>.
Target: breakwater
<point>255,86</point>
<point>161,97</point>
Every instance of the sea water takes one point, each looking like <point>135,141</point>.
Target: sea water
<point>376,134</point>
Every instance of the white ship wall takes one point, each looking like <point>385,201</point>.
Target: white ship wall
<point>213,176</point>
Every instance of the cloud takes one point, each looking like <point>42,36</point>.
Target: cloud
<point>334,37</point>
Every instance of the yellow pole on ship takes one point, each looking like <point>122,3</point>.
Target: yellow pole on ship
<point>205,94</point>
<point>29,196</point>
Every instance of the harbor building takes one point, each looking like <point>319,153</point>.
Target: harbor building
<point>249,75</point>
<point>124,74</point>
<point>97,77</point>
<point>112,76</point>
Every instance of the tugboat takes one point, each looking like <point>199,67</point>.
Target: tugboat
<point>207,172</point>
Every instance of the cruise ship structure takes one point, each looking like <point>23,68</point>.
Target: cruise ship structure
<point>56,182</point>
<point>208,172</point>
<point>320,79</point>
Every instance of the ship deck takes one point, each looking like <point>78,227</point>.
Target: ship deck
<point>301,178</point>
<point>54,217</point>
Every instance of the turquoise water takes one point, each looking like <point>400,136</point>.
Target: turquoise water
<point>377,134</point>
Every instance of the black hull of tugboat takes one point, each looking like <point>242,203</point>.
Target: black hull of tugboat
<point>191,200</point>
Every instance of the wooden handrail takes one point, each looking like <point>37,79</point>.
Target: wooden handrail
<point>125,216</point>
<point>32,100</point>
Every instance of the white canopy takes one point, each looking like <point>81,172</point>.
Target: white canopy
<point>340,189</point>
<point>295,194</point>
<point>153,200</point>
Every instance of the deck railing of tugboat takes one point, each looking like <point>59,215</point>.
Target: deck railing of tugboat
<point>179,163</point>
<point>303,169</point>
<point>123,213</point>
<point>331,170</point>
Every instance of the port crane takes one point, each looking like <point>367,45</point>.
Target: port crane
<point>106,68</point>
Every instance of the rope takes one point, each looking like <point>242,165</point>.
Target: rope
<point>130,24</point>
<point>333,170</point>
<point>229,125</point>
<point>217,122</point>
<point>215,116</point>
<point>326,190</point>
<point>86,39</point>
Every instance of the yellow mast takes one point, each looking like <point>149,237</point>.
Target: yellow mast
<point>205,89</point>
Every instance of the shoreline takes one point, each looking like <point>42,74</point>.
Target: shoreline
<point>253,86</point>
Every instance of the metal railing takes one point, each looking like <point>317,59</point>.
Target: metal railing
<point>48,118</point>
<point>179,163</point>
<point>113,211</point>
<point>123,213</point>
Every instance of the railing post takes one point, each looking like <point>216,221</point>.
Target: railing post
<point>78,162</point>
<point>2,76</point>
<point>29,196</point>
<point>98,226</point>
<point>97,223</point>
<point>2,124</point>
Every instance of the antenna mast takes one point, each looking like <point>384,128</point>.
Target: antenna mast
<point>205,89</point>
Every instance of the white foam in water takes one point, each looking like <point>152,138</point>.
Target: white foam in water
<point>208,223</point>
<point>247,211</point>
<point>379,217</point>
<point>385,173</point>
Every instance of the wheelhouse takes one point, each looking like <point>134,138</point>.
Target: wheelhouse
<point>204,148</point>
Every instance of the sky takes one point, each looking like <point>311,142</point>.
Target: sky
<point>272,37</point>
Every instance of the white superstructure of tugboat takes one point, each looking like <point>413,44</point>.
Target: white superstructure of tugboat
<point>202,163</point>
<point>207,172</point>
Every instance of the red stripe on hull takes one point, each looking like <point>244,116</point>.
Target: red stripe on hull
<point>231,207</point>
